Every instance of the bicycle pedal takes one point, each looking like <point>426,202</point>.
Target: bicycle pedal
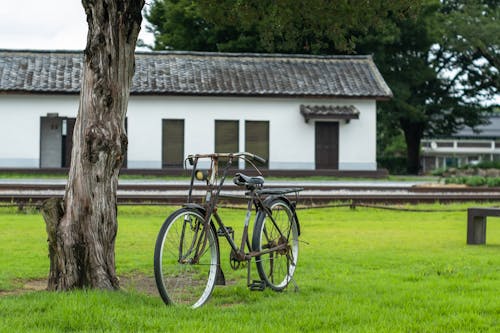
<point>230,231</point>
<point>257,285</point>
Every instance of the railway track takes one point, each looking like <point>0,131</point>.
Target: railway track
<point>313,193</point>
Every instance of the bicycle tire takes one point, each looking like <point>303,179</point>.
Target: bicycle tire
<point>180,280</point>
<point>276,268</point>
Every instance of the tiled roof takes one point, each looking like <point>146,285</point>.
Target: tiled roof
<point>201,73</point>
<point>489,130</point>
<point>329,112</point>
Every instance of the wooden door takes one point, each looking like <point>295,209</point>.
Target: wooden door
<point>67,140</point>
<point>50,142</point>
<point>327,145</point>
<point>172,143</point>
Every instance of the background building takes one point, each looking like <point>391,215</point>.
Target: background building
<point>299,112</point>
<point>467,146</point>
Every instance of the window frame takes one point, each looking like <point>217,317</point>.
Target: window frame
<point>248,139</point>
<point>164,153</point>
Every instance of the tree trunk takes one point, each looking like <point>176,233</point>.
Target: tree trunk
<point>82,229</point>
<point>413,135</point>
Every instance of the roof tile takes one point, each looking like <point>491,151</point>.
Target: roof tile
<point>202,73</point>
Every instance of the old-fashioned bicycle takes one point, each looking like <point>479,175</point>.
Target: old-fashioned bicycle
<point>187,254</point>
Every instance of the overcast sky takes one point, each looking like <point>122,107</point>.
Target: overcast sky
<point>46,25</point>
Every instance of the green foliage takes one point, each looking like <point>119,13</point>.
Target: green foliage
<point>396,165</point>
<point>183,25</point>
<point>486,165</point>
<point>363,270</point>
<point>391,149</point>
<point>438,172</point>
<point>475,181</point>
<point>473,45</point>
<point>481,174</point>
<point>416,63</point>
<point>455,180</point>
<point>289,26</point>
<point>493,182</point>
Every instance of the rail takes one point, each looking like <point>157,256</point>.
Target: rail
<point>311,196</point>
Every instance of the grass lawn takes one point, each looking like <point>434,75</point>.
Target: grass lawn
<point>363,270</point>
<point>20,175</point>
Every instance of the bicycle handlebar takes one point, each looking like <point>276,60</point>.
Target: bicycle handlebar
<point>259,159</point>
<point>254,157</point>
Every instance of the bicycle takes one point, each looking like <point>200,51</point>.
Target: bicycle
<point>187,253</point>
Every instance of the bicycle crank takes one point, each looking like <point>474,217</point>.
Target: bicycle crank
<point>234,261</point>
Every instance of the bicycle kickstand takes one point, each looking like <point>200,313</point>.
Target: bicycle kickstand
<point>255,285</point>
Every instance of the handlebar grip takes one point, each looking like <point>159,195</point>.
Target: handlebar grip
<point>259,159</point>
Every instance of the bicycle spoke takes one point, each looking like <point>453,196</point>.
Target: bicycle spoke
<point>183,276</point>
<point>277,231</point>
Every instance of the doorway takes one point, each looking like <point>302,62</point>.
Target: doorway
<point>56,141</point>
<point>327,145</point>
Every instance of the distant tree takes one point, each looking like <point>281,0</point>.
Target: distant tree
<point>439,81</point>
<point>182,25</point>
<point>82,228</point>
<point>471,46</point>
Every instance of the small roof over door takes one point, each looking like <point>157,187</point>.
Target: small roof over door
<point>329,112</point>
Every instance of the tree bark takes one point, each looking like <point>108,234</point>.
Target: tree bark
<point>82,228</point>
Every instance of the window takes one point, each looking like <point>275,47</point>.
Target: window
<point>227,137</point>
<point>172,143</point>
<point>257,139</point>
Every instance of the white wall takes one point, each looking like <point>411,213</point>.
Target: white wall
<point>358,139</point>
<point>291,139</point>
<point>20,125</point>
<point>292,143</point>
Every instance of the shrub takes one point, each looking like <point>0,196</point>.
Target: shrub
<point>489,165</point>
<point>475,181</point>
<point>394,164</point>
<point>493,182</point>
<point>455,180</point>
<point>438,172</point>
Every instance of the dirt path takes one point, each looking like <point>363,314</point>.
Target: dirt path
<point>137,282</point>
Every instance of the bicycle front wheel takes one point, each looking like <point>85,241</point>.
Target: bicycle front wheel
<point>277,231</point>
<point>186,272</point>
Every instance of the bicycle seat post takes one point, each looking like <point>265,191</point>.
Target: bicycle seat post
<point>247,221</point>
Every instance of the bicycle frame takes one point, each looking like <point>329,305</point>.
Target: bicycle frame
<point>214,186</point>
<point>187,258</point>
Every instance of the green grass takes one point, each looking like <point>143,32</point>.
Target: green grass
<point>363,270</point>
<point>61,175</point>
<point>20,175</point>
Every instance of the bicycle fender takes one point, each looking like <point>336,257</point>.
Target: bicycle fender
<point>268,200</point>
<point>198,207</point>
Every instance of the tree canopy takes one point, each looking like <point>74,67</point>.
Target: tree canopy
<point>471,45</point>
<point>442,73</point>
<point>285,26</point>
<point>439,82</point>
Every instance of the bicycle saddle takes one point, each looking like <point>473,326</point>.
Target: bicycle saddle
<point>241,179</point>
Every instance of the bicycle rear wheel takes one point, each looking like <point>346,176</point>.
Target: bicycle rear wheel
<point>276,268</point>
<point>180,278</point>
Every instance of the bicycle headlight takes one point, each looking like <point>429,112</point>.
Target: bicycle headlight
<point>201,174</point>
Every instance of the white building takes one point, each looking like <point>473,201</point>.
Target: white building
<point>466,146</point>
<point>299,112</point>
